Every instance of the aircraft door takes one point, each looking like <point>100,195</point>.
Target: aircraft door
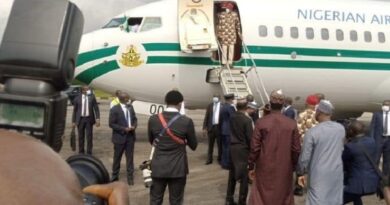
<point>196,25</point>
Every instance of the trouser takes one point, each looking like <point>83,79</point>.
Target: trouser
<point>176,190</point>
<point>227,54</point>
<point>225,161</point>
<point>385,149</point>
<point>128,148</point>
<point>355,198</point>
<point>85,127</point>
<point>214,134</point>
<point>232,186</point>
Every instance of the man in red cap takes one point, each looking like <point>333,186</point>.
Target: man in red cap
<point>228,28</point>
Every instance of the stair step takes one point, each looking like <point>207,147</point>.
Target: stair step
<point>239,86</point>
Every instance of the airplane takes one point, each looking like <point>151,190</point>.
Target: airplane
<point>338,48</point>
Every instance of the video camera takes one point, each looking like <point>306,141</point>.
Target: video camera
<point>37,61</point>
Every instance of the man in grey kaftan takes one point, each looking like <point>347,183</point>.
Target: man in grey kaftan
<point>321,159</point>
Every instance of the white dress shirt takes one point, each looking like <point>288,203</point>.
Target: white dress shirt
<point>127,114</point>
<point>388,123</point>
<point>216,110</point>
<point>84,105</point>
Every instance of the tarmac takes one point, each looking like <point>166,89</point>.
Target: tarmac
<point>206,184</point>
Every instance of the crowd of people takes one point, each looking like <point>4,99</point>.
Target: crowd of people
<point>261,148</point>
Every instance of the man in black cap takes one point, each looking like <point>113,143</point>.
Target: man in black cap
<point>226,112</point>
<point>170,132</point>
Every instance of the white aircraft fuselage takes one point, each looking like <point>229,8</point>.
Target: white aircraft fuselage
<point>341,49</point>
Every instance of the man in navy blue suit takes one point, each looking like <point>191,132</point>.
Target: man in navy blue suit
<point>361,177</point>
<point>380,131</point>
<point>226,112</point>
<point>289,111</point>
<point>123,122</point>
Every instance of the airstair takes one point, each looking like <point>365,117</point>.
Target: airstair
<point>234,81</point>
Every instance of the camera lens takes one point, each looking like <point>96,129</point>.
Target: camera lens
<point>89,171</point>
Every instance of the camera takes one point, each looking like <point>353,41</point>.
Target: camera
<point>146,173</point>
<point>37,61</point>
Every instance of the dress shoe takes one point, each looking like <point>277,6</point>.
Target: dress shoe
<point>114,178</point>
<point>209,162</point>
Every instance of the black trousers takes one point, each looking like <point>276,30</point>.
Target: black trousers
<point>128,149</point>
<point>85,128</point>
<point>176,190</point>
<point>232,186</point>
<point>355,198</point>
<point>214,134</point>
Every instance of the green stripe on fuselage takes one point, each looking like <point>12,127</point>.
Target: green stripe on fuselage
<point>95,54</point>
<point>89,75</point>
<point>162,46</point>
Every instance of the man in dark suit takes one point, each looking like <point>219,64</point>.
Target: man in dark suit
<point>380,131</point>
<point>169,163</point>
<point>226,112</point>
<point>211,126</point>
<point>360,175</point>
<point>241,126</point>
<point>289,111</point>
<point>123,122</point>
<point>85,115</point>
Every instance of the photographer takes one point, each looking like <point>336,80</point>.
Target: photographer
<point>38,176</point>
<point>169,163</point>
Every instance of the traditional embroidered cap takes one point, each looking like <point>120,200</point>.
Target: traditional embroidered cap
<point>326,107</point>
<point>277,96</point>
<point>312,100</point>
<point>227,5</point>
<point>253,105</point>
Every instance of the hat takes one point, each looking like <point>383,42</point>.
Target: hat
<point>312,100</point>
<point>229,96</point>
<point>253,105</point>
<point>277,96</point>
<point>227,5</point>
<point>326,107</point>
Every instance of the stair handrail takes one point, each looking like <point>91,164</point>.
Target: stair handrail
<point>257,73</point>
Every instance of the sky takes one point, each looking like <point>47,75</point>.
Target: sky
<point>96,12</point>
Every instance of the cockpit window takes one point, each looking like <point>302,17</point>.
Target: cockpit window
<point>151,23</point>
<point>115,22</point>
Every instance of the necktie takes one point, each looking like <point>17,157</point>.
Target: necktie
<point>385,126</point>
<point>214,110</point>
<point>85,106</point>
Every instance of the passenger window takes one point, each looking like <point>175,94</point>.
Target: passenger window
<point>367,36</point>
<point>279,31</point>
<point>339,35</point>
<point>353,35</point>
<point>381,37</point>
<point>151,23</point>
<point>309,33</point>
<point>325,34</point>
<point>294,32</point>
<point>263,32</point>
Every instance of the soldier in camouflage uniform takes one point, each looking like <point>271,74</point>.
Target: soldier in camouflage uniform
<point>227,30</point>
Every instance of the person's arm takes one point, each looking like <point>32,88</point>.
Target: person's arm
<point>372,126</point>
<point>96,110</point>
<point>75,107</point>
<point>206,118</point>
<point>347,157</point>
<point>192,142</point>
<point>296,146</point>
<point>115,193</point>
<point>248,132</point>
<point>255,148</point>
<point>134,119</point>
<point>113,121</point>
<point>150,132</point>
<point>304,158</point>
